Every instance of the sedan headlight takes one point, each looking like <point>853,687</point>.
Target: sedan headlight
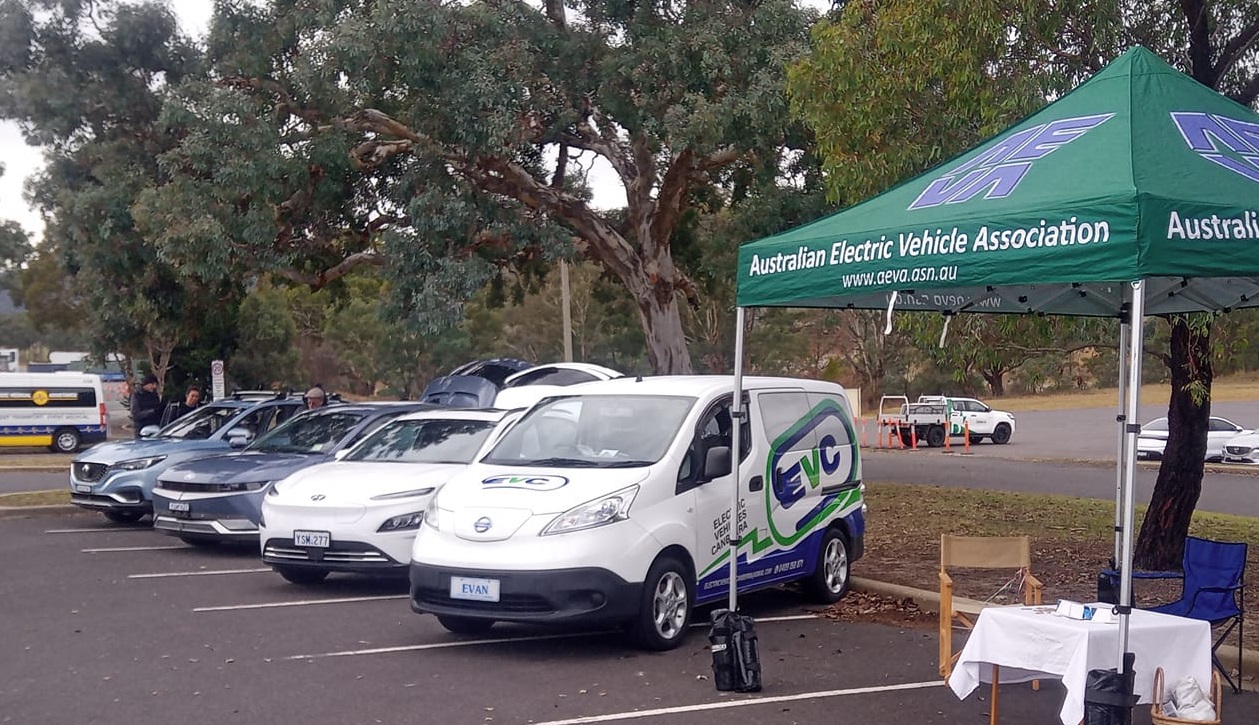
<point>600,512</point>
<point>432,515</point>
<point>403,522</point>
<point>138,464</point>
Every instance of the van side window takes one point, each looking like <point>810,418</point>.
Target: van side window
<point>715,429</point>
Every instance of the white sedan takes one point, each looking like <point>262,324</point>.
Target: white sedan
<point>1242,449</point>
<point>360,514</point>
<point>1153,437</point>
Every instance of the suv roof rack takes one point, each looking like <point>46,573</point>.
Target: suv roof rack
<point>259,394</point>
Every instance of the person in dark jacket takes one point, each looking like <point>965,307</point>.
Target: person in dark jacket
<point>191,401</point>
<point>146,404</point>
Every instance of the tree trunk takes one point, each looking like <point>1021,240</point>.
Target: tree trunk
<point>662,329</point>
<point>996,383</point>
<point>1161,542</point>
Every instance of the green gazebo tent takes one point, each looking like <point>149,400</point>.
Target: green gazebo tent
<point>1135,194</point>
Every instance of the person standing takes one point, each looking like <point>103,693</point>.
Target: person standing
<point>146,404</point>
<point>315,397</point>
<point>191,401</point>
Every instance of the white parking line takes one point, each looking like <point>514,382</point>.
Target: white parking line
<point>198,573</point>
<point>300,603</point>
<point>109,549</point>
<point>726,704</point>
<point>97,530</point>
<point>501,640</point>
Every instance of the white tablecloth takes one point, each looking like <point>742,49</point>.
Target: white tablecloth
<point>1032,642</point>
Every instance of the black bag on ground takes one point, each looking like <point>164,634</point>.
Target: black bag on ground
<point>736,654</point>
<point>1108,698</point>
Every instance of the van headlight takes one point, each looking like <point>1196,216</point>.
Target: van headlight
<point>609,509</point>
<point>402,523</point>
<point>138,464</point>
<point>432,516</point>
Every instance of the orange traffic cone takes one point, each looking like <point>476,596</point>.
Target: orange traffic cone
<point>913,437</point>
<point>966,433</point>
<point>947,431</point>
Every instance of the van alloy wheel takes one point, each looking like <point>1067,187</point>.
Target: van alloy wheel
<point>830,580</point>
<point>665,612</point>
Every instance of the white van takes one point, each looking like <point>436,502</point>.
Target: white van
<point>61,410</point>
<point>610,503</point>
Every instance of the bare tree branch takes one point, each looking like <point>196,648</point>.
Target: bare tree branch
<point>319,280</point>
<point>1235,47</point>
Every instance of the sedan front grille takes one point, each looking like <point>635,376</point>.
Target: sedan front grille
<point>89,472</point>
<point>190,487</point>
<point>1237,450</point>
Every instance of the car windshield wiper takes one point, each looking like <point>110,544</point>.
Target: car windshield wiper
<point>626,464</point>
<point>557,462</point>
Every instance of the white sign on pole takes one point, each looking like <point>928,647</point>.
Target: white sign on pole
<point>217,383</point>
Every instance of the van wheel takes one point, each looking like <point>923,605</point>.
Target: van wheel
<point>829,582</point>
<point>123,517</point>
<point>65,440</point>
<point>465,625</point>
<point>1001,435</point>
<point>664,614</point>
<point>935,436</point>
<point>300,575</point>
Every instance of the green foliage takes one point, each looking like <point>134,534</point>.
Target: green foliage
<point>266,357</point>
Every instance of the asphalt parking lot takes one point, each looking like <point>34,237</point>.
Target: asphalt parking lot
<point>110,624</point>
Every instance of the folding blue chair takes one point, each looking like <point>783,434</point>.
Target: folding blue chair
<point>1212,591</point>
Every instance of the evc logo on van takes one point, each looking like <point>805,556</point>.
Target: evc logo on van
<point>528,483</point>
<point>815,453</point>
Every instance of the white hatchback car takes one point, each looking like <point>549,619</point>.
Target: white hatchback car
<point>1153,437</point>
<point>1242,449</point>
<point>360,514</point>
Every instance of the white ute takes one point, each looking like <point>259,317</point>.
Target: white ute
<point>609,503</point>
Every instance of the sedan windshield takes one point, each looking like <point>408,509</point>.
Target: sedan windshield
<point>424,441</point>
<point>594,431</point>
<point>312,433</point>
<point>201,423</point>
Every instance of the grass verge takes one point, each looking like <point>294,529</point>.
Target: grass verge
<point>35,498</point>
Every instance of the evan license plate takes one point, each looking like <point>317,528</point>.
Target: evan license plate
<point>312,538</point>
<point>481,590</point>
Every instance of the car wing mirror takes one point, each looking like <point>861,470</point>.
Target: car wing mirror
<point>149,431</point>
<point>716,462</point>
<point>239,439</point>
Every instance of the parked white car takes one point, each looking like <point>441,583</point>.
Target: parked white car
<point>1153,438</point>
<point>360,514</point>
<point>1242,449</point>
<point>523,389</point>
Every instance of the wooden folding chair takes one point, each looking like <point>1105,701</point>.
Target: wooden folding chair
<point>979,552</point>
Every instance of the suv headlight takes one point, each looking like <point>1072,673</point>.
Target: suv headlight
<point>600,512</point>
<point>432,515</point>
<point>403,522</point>
<point>138,464</point>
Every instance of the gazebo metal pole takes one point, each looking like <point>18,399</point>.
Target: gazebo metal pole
<point>736,421</point>
<point>1125,331</point>
<point>1136,341</point>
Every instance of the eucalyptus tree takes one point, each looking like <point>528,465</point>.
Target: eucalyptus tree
<point>884,110</point>
<point>448,141</point>
<point>85,81</point>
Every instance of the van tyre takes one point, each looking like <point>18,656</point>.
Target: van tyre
<point>123,517</point>
<point>65,440</point>
<point>935,436</point>
<point>830,580</point>
<point>664,614</point>
<point>1001,435</point>
<point>465,625</point>
<point>300,575</point>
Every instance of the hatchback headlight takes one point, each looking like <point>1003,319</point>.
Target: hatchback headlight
<point>138,464</point>
<point>432,515</point>
<point>404,494</point>
<point>600,512</point>
<point>403,522</point>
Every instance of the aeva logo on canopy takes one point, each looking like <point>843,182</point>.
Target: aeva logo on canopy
<point>1228,142</point>
<point>996,172</point>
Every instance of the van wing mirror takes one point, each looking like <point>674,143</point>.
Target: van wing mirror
<point>716,462</point>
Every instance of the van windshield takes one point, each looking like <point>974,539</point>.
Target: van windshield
<point>593,431</point>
